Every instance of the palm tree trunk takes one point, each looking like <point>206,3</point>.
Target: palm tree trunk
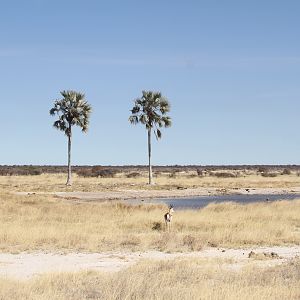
<point>69,180</point>
<point>149,155</point>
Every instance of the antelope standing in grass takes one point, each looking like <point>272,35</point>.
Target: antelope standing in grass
<point>168,217</point>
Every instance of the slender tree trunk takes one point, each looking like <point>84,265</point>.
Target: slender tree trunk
<point>69,180</point>
<point>149,156</point>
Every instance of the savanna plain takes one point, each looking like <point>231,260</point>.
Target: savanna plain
<point>121,251</point>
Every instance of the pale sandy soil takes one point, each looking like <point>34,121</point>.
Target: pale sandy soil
<point>28,265</point>
<point>126,194</point>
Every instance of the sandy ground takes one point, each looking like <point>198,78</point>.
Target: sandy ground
<point>28,265</point>
<point>148,194</point>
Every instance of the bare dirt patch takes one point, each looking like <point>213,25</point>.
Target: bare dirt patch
<point>27,265</point>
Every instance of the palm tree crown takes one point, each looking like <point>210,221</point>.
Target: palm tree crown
<point>151,110</point>
<point>73,109</point>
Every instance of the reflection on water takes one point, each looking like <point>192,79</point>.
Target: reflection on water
<point>202,201</point>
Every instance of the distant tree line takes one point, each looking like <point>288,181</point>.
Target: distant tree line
<point>111,171</point>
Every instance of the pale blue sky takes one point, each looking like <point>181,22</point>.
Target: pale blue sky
<point>231,70</point>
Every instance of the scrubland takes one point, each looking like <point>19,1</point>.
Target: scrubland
<point>36,222</point>
<point>182,279</point>
<point>43,222</point>
<point>163,181</point>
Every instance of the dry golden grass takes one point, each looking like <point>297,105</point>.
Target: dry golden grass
<point>44,222</point>
<point>56,182</point>
<point>181,279</point>
<point>37,222</point>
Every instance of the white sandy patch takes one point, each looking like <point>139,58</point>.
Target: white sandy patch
<point>28,265</point>
<point>125,194</point>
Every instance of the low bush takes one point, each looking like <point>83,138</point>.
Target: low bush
<point>286,172</point>
<point>157,226</point>
<point>133,175</point>
<point>224,175</point>
<point>25,171</point>
<point>200,172</point>
<point>269,174</point>
<point>105,173</point>
<point>83,173</point>
<point>96,172</point>
<point>262,170</point>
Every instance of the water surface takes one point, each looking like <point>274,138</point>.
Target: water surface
<point>202,201</point>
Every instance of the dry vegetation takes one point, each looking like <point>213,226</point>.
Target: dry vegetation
<point>138,180</point>
<point>36,222</point>
<point>183,279</point>
<point>45,222</point>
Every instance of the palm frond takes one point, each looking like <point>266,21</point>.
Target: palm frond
<point>72,109</point>
<point>133,119</point>
<point>158,133</point>
<point>151,110</point>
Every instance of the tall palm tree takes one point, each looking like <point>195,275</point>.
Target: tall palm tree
<point>73,109</point>
<point>151,110</point>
